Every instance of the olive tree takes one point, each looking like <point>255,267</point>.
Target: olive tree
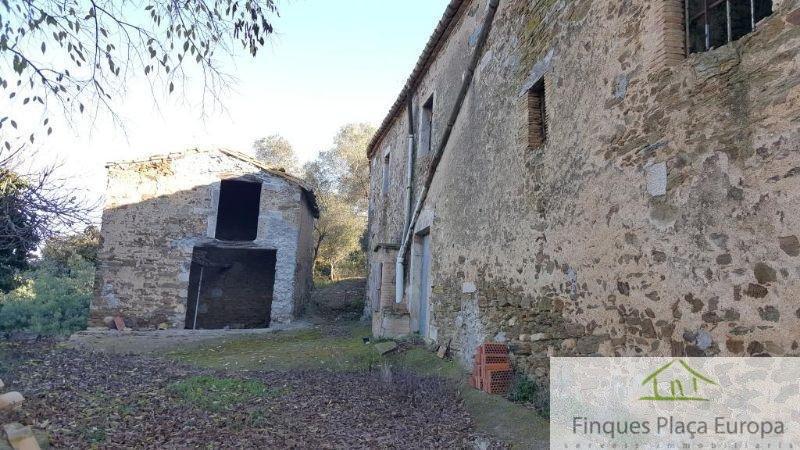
<point>277,151</point>
<point>340,177</point>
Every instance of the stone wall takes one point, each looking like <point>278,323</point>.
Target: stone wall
<point>662,215</point>
<point>304,269</point>
<point>158,210</point>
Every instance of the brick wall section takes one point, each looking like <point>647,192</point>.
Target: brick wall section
<point>666,46</point>
<point>157,211</point>
<point>387,280</point>
<point>537,117</point>
<point>661,216</point>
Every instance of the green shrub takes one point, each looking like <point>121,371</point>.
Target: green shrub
<point>51,301</point>
<point>525,390</point>
<point>59,252</point>
<point>353,266</point>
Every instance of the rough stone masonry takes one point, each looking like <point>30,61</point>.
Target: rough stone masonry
<point>659,215</point>
<point>161,210</point>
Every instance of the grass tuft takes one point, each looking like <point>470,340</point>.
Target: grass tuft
<point>217,394</point>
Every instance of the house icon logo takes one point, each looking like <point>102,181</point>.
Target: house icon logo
<point>683,383</point>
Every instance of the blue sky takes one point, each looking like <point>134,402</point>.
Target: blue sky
<point>329,63</point>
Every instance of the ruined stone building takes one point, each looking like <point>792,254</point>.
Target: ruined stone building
<point>606,177</point>
<point>204,239</point>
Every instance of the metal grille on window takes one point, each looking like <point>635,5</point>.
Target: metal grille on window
<point>713,23</point>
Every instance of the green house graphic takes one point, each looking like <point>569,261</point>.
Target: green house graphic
<point>680,389</point>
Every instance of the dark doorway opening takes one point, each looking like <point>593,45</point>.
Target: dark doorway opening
<point>237,215</point>
<point>230,287</point>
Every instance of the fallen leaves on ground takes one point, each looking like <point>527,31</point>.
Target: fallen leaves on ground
<point>83,398</point>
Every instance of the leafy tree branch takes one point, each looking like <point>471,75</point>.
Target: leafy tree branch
<point>80,54</point>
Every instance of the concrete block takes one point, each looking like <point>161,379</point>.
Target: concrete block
<point>395,327</point>
<point>385,347</point>
<point>656,179</point>
<point>621,86</point>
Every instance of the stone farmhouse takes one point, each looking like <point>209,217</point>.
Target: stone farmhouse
<point>606,177</point>
<point>204,239</point>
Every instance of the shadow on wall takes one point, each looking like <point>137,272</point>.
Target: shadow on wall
<point>230,287</point>
<point>179,260</point>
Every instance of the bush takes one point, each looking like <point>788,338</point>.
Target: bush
<point>354,266</point>
<point>59,252</point>
<point>525,390</point>
<point>51,301</point>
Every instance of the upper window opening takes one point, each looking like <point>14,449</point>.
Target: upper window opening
<point>537,115</point>
<point>385,174</point>
<point>426,126</point>
<point>714,23</point>
<point>237,215</point>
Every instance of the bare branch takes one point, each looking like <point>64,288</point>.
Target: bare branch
<point>35,207</point>
<point>82,53</point>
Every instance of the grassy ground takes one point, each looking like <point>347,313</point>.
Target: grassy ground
<point>342,349</point>
<point>218,394</point>
<point>303,349</point>
<point>339,349</point>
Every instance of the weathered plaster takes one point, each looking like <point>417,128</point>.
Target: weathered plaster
<point>662,215</point>
<point>157,211</point>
